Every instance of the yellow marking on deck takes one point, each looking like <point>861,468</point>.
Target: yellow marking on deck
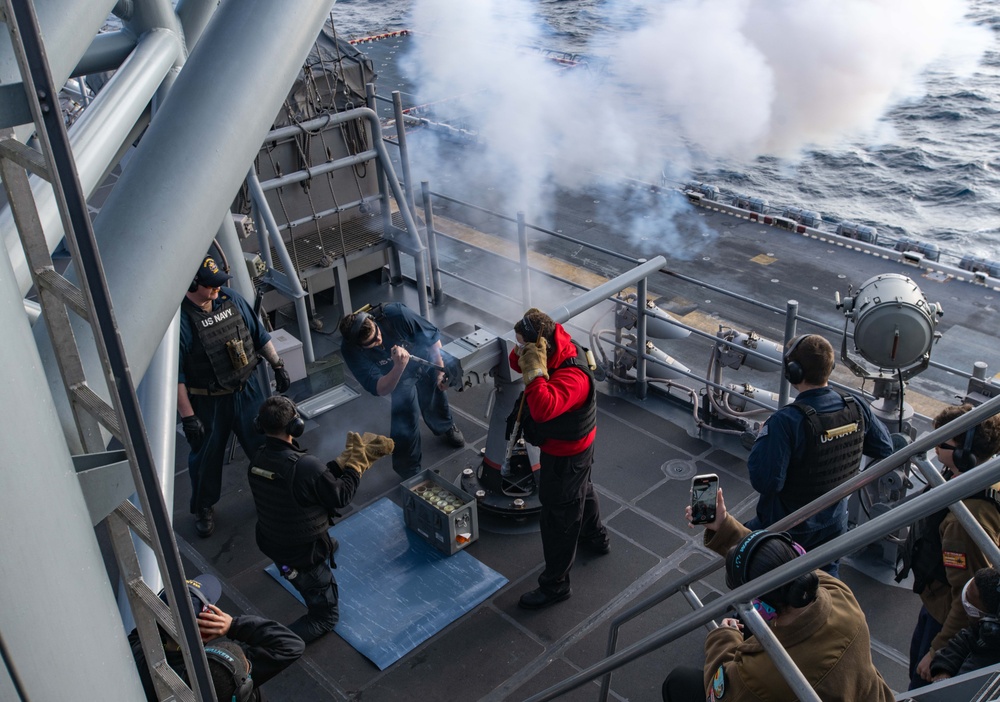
<point>927,406</point>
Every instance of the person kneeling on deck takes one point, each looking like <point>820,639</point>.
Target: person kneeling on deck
<point>297,498</point>
<point>940,551</point>
<point>815,618</point>
<point>559,415</point>
<point>811,446</point>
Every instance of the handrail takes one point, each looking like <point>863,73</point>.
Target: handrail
<point>865,477</point>
<point>923,505</point>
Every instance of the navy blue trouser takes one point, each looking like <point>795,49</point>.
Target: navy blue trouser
<point>319,589</point>
<point>570,511</point>
<point>413,397</point>
<point>920,643</point>
<point>221,415</point>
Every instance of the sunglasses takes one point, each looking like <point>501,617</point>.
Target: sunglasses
<point>947,447</point>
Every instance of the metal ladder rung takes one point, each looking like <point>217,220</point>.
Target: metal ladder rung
<point>182,693</point>
<point>65,290</point>
<point>26,157</point>
<point>97,407</point>
<point>135,520</point>
<point>152,603</point>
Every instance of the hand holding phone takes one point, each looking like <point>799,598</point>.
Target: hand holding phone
<point>703,493</point>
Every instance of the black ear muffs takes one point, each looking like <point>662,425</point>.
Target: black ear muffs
<point>529,333</point>
<point>296,425</point>
<point>794,373</point>
<point>242,682</point>
<point>963,457</point>
<point>193,287</point>
<point>359,322</point>
<point>738,565</point>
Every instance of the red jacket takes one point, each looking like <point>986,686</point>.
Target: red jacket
<point>566,389</point>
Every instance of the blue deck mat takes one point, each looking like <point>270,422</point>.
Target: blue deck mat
<point>396,590</point>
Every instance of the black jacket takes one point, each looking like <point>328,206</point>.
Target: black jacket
<point>313,485</point>
<point>269,646</point>
<point>965,652</point>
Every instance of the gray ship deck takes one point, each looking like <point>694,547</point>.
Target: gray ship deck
<point>646,452</point>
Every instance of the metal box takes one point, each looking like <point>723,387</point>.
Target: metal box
<point>444,515</point>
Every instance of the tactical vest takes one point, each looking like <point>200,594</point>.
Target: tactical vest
<point>922,551</point>
<point>226,356</point>
<point>568,426</point>
<point>834,442</point>
<point>279,517</point>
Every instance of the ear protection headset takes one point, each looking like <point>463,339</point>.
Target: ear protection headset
<point>242,682</point>
<point>296,425</point>
<point>738,566</point>
<point>193,287</point>
<point>359,321</point>
<point>530,334</point>
<point>964,458</point>
<point>794,372</point>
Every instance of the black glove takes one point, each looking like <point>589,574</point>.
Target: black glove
<point>281,378</point>
<point>194,432</point>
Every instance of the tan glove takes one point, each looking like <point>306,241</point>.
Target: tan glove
<point>533,359</point>
<point>377,446</point>
<point>362,451</point>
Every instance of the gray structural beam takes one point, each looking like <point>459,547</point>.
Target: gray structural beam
<point>96,139</point>
<point>45,527</point>
<point>68,27</point>
<point>162,215</point>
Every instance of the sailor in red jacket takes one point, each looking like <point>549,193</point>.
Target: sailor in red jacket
<point>559,416</point>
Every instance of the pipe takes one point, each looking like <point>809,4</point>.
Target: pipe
<point>606,290</point>
<point>791,321</point>
<point>68,27</point>
<point>180,206</point>
<point>289,284</point>
<point>96,139</point>
<point>107,52</point>
<point>432,250</point>
<point>37,482</point>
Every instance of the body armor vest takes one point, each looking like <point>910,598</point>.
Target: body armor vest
<point>834,442</point>
<point>568,426</point>
<point>279,517</point>
<point>223,356</point>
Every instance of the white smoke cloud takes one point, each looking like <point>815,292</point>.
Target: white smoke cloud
<point>693,81</point>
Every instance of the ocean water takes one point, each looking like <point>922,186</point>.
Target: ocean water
<point>929,170</point>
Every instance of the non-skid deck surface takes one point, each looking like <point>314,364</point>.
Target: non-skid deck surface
<point>397,591</point>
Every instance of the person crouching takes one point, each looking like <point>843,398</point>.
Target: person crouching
<point>297,497</point>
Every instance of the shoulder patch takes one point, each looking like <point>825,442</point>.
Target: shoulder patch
<point>718,689</point>
<point>762,433</point>
<point>954,559</point>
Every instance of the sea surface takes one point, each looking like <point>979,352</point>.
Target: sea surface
<point>932,173</point>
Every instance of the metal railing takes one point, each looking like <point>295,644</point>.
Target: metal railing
<point>949,494</point>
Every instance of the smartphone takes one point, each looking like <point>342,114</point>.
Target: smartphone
<point>703,490</point>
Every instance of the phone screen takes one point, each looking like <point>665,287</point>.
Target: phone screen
<point>703,489</point>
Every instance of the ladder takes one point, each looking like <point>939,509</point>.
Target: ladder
<point>91,302</point>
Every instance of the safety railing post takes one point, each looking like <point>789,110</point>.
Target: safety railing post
<point>395,270</point>
<point>522,249</point>
<point>432,251</point>
<point>791,322</point>
<point>641,386</point>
